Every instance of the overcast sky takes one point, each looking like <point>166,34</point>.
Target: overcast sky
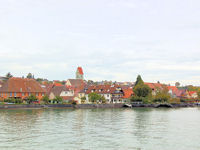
<point>110,39</point>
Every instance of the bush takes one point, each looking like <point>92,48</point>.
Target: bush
<point>45,99</point>
<point>74,102</point>
<point>140,99</point>
<point>31,99</point>
<point>175,101</point>
<point>14,100</point>
<point>57,99</point>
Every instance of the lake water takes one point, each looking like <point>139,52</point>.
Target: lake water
<point>99,129</point>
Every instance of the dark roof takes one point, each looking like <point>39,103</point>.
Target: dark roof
<point>76,82</point>
<point>21,85</point>
<point>104,89</point>
<point>56,90</point>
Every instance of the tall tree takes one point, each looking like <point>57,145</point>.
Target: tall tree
<point>9,75</point>
<point>142,92</point>
<point>139,80</point>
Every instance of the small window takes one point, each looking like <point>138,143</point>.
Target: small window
<point>29,94</point>
<point>36,94</point>
<point>10,94</point>
<point>22,94</point>
<point>42,94</point>
<point>15,94</point>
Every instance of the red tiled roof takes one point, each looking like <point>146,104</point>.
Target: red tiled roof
<point>102,89</point>
<point>80,70</point>
<point>128,93</point>
<point>21,85</point>
<point>192,92</point>
<point>56,90</point>
<point>173,88</point>
<point>154,85</point>
<point>76,82</point>
<point>57,84</point>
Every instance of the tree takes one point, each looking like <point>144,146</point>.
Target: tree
<point>29,76</point>
<point>57,99</point>
<point>103,100</point>
<point>45,99</point>
<point>94,98</point>
<point>83,99</point>
<point>177,84</point>
<point>139,80</point>
<point>9,75</point>
<point>31,99</point>
<point>198,93</point>
<point>142,91</point>
<point>162,95</point>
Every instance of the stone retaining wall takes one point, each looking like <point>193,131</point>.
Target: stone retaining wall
<point>11,106</point>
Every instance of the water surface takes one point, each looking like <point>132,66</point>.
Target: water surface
<point>96,129</point>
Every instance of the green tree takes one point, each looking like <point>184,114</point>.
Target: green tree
<point>162,95</point>
<point>29,76</point>
<point>58,99</point>
<point>198,93</point>
<point>9,75</point>
<point>103,100</point>
<point>83,99</point>
<point>139,80</point>
<point>142,92</point>
<point>45,99</point>
<point>94,97</point>
<point>31,99</point>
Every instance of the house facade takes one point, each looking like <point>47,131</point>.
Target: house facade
<point>21,88</point>
<point>112,93</point>
<point>66,93</point>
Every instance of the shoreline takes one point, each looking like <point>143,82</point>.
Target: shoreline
<point>95,106</point>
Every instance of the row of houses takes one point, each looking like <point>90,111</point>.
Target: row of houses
<point>77,89</point>
<point>72,90</point>
<point>174,91</point>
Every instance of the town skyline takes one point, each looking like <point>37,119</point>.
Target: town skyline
<point>79,70</point>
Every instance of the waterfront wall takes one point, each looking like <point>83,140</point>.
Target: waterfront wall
<point>79,106</point>
<point>86,106</point>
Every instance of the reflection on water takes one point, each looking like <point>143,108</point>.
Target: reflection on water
<point>113,129</point>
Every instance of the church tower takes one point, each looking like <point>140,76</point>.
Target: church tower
<point>79,73</point>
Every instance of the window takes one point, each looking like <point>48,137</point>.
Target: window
<point>15,94</point>
<point>42,94</point>
<point>29,94</point>
<point>36,94</point>
<point>22,94</point>
<point>10,94</point>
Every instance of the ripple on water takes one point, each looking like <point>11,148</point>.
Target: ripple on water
<point>111,129</point>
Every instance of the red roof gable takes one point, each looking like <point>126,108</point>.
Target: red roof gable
<point>128,93</point>
<point>21,85</point>
<point>192,92</point>
<point>57,84</point>
<point>80,70</point>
